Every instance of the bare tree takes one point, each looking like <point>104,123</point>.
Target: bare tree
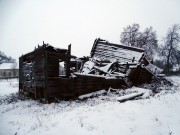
<point>170,48</point>
<point>133,37</point>
<point>148,41</point>
<point>177,57</point>
<point>5,59</point>
<point>130,35</point>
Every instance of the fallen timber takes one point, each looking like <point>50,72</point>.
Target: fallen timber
<point>49,72</point>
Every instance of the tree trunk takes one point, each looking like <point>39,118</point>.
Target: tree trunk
<point>168,66</point>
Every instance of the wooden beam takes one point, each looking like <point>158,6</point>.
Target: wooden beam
<point>129,97</point>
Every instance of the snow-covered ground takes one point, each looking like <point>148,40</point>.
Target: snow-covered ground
<point>102,115</point>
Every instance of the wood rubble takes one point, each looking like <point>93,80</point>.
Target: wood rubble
<point>117,61</point>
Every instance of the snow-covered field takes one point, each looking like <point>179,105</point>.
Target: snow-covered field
<point>102,115</point>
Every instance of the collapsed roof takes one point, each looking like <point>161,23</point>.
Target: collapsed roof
<point>114,60</point>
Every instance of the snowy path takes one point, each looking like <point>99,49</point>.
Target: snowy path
<point>159,115</point>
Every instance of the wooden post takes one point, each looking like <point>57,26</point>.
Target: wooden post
<point>133,59</point>
<point>46,75</point>
<point>68,61</point>
<point>20,75</point>
<point>69,49</point>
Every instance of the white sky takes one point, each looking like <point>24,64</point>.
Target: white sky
<point>26,23</point>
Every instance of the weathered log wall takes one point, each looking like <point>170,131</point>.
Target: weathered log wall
<point>60,87</point>
<point>84,84</point>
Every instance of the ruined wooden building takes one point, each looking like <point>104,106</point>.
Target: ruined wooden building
<point>49,72</point>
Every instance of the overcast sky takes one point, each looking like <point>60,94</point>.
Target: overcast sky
<point>26,23</point>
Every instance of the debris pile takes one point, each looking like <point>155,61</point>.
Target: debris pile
<point>118,61</point>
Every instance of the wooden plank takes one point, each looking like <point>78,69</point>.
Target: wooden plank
<point>58,55</point>
<point>129,97</point>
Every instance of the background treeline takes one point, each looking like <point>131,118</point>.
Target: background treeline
<point>5,59</point>
<point>164,53</point>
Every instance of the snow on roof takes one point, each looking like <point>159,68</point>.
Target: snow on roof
<point>122,53</point>
<point>8,66</point>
